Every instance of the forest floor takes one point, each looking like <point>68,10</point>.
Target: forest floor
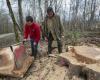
<point>45,68</point>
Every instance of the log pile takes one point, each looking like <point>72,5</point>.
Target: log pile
<point>83,61</point>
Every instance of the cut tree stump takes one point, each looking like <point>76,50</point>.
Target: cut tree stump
<point>83,61</point>
<point>75,67</point>
<point>92,71</point>
<point>8,60</point>
<point>22,71</point>
<point>86,54</point>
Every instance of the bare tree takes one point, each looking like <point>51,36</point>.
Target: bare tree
<point>46,6</point>
<point>93,8</point>
<point>20,14</point>
<point>13,19</point>
<point>34,10</point>
<point>84,15</point>
<point>40,11</point>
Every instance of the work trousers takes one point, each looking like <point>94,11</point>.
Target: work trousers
<point>50,40</point>
<point>34,48</point>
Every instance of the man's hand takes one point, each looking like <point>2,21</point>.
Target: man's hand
<point>46,39</point>
<point>24,40</point>
<point>62,36</point>
<point>35,43</point>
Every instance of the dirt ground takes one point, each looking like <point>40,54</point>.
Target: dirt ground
<point>45,68</point>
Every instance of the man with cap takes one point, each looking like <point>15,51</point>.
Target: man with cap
<point>53,29</point>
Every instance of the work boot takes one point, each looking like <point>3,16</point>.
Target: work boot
<point>49,48</point>
<point>59,49</point>
<point>59,46</point>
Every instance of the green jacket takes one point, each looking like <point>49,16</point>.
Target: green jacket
<point>54,26</point>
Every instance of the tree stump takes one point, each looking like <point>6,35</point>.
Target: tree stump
<point>83,61</point>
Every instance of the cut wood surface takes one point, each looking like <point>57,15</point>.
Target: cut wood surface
<point>26,64</point>
<point>87,54</point>
<point>94,67</point>
<point>92,71</point>
<point>79,62</point>
<point>70,58</point>
<point>6,61</point>
<point>19,73</point>
<point>75,66</point>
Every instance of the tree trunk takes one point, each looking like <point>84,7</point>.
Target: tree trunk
<point>34,11</point>
<point>84,15</point>
<point>93,9</point>
<point>13,19</point>
<point>20,14</point>
<point>46,6</point>
<point>40,10</point>
<point>55,1</point>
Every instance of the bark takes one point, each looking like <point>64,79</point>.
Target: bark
<point>92,14</point>
<point>13,19</point>
<point>84,10</point>
<point>34,11</point>
<point>46,6</point>
<point>51,1</point>
<point>20,13</point>
<point>84,14</point>
<point>92,10</point>
<point>40,10</point>
<point>55,1</point>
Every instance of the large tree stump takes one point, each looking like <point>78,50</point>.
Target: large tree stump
<point>14,61</point>
<point>92,71</point>
<point>86,54</point>
<point>75,67</point>
<point>83,61</point>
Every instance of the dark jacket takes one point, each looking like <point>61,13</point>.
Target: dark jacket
<point>54,26</point>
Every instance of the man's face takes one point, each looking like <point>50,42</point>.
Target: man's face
<point>29,23</point>
<point>50,14</point>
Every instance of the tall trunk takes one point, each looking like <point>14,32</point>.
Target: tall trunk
<point>84,10</point>
<point>76,13</point>
<point>93,11</point>
<point>93,8</point>
<point>13,19</point>
<point>69,26</point>
<point>46,6</point>
<point>34,10</point>
<point>40,10</point>
<point>20,13</point>
<point>51,1</point>
<point>77,7</point>
<point>55,1</point>
<point>84,15</point>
